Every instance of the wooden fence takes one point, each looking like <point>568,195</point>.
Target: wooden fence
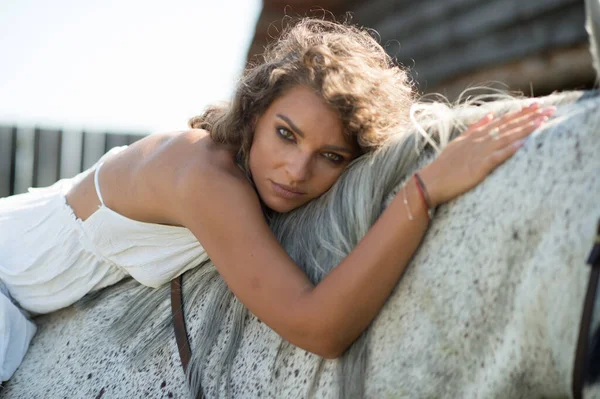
<point>38,157</point>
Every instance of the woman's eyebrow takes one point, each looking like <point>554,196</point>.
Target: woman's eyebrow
<point>301,134</point>
<point>289,122</point>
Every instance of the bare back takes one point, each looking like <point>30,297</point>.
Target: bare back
<point>138,182</point>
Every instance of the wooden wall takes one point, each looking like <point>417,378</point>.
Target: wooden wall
<point>450,44</point>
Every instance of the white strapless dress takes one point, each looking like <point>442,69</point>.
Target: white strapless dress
<point>49,259</point>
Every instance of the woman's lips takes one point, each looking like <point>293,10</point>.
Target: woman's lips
<point>286,192</point>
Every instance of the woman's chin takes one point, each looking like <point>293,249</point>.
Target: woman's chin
<point>282,205</point>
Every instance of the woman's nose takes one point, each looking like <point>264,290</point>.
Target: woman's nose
<point>298,168</point>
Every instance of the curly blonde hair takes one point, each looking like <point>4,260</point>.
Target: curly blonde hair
<point>344,64</point>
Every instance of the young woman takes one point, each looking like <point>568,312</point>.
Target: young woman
<point>324,94</point>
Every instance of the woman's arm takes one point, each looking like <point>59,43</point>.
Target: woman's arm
<point>225,215</point>
<point>223,211</point>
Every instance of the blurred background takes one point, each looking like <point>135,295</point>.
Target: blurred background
<point>78,78</point>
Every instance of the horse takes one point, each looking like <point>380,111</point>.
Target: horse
<point>489,305</point>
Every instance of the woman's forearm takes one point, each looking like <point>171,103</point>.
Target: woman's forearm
<point>348,299</point>
<point>343,304</point>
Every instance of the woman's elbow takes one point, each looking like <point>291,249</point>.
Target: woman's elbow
<point>332,353</point>
<point>317,332</point>
<point>326,345</point>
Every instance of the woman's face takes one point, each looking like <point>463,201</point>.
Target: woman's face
<point>298,150</point>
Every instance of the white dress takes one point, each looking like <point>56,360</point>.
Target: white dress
<point>49,258</point>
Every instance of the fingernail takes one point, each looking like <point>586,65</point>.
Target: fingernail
<point>536,123</point>
<point>548,110</point>
<point>519,143</point>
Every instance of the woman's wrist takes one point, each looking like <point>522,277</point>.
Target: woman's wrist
<point>414,200</point>
<point>428,177</point>
<point>424,194</point>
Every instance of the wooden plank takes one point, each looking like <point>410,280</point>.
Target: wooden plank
<point>93,145</point>
<point>115,140</point>
<point>36,151</point>
<point>132,138</point>
<point>6,160</point>
<point>433,25</point>
<point>539,74</point>
<point>440,40</point>
<point>70,161</point>
<point>411,21</point>
<point>553,31</point>
<point>368,12</point>
<point>13,155</point>
<point>24,155</point>
<point>48,148</point>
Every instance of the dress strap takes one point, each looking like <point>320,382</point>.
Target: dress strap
<point>98,185</point>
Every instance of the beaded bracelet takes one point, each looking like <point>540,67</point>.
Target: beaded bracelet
<point>424,196</point>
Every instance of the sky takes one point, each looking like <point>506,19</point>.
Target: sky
<point>126,65</point>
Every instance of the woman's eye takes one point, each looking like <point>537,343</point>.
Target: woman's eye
<point>335,158</point>
<point>286,134</point>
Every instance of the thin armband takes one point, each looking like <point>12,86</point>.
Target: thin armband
<point>424,196</point>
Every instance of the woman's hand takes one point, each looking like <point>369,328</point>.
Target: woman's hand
<point>469,158</point>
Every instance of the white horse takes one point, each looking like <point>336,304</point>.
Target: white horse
<point>489,306</point>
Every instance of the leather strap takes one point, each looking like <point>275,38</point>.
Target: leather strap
<point>183,343</point>
<point>581,353</point>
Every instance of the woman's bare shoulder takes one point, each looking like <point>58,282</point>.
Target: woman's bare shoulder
<point>159,176</point>
<point>196,157</point>
<point>204,173</point>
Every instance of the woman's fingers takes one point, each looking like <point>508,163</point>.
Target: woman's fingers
<point>513,135</point>
<point>499,156</point>
<point>487,123</point>
<point>502,138</point>
<point>540,114</point>
<point>515,126</point>
<point>484,145</point>
<point>473,127</point>
<point>514,115</point>
<point>517,133</point>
